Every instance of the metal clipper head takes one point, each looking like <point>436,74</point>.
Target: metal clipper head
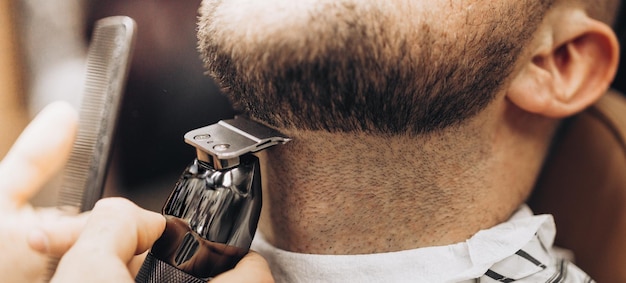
<point>213,212</point>
<point>222,144</point>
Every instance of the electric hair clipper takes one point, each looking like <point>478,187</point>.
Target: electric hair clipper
<point>213,212</point>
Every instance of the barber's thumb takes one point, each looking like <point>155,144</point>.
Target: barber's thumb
<point>251,268</point>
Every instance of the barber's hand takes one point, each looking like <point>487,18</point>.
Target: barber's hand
<point>101,245</point>
<point>39,152</point>
<point>109,244</point>
<point>97,246</point>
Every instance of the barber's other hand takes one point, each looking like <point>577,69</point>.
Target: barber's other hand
<point>39,152</point>
<point>251,268</point>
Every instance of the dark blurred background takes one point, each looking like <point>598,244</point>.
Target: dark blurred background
<point>167,95</point>
<point>620,79</point>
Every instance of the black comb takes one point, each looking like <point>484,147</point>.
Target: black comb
<point>108,61</point>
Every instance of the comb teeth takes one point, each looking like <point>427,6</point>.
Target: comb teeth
<point>107,66</point>
<point>108,60</point>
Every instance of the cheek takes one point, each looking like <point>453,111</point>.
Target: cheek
<point>256,21</point>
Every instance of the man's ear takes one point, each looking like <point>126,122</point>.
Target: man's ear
<point>573,61</point>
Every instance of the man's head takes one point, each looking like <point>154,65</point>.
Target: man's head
<point>378,66</point>
<point>415,123</point>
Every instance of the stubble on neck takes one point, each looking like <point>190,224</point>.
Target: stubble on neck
<point>340,193</point>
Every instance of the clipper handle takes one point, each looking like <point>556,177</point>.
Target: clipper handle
<point>155,270</point>
<point>211,218</point>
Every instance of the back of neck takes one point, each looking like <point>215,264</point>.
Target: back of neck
<point>339,193</point>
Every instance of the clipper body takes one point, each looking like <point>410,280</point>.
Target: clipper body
<point>213,211</point>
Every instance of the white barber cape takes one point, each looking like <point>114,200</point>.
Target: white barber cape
<point>519,250</point>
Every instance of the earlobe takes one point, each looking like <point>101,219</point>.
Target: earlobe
<point>570,69</point>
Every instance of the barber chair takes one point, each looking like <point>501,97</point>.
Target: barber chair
<point>583,184</point>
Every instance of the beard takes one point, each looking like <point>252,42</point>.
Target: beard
<point>363,66</point>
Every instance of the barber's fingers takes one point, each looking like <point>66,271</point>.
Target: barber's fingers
<point>111,234</point>
<point>57,232</point>
<point>251,268</point>
<point>39,152</point>
<point>115,231</point>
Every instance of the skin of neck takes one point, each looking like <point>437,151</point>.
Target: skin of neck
<point>360,193</point>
